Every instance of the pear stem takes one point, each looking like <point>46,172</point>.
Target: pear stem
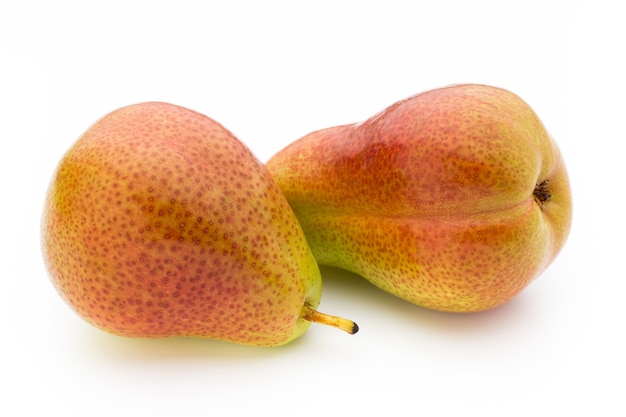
<point>314,316</point>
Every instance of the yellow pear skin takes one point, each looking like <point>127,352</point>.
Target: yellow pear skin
<point>158,222</point>
<point>454,199</point>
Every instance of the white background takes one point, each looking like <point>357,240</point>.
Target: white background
<point>272,71</point>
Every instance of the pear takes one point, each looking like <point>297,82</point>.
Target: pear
<point>454,199</point>
<point>159,222</point>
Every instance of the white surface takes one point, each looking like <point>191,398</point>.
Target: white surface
<point>271,71</point>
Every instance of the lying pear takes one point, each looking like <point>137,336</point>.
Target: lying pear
<point>454,199</point>
<point>159,222</point>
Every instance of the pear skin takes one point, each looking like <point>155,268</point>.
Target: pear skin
<point>454,199</point>
<point>158,222</point>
